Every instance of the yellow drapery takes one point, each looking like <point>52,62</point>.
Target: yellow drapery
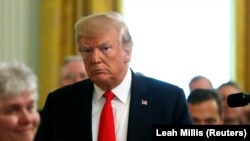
<point>243,44</point>
<point>57,36</point>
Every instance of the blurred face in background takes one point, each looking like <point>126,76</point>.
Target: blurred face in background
<point>73,72</point>
<point>19,119</point>
<point>231,115</point>
<point>205,113</point>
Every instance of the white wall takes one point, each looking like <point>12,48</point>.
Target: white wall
<point>178,39</point>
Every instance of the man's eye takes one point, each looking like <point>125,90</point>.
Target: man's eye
<point>105,49</point>
<point>87,50</point>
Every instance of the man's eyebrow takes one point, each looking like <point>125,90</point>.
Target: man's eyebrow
<point>106,43</point>
<point>103,44</point>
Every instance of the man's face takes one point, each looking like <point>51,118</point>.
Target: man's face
<point>205,113</point>
<point>106,61</point>
<point>231,115</point>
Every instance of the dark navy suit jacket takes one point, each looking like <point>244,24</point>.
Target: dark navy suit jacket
<point>67,112</point>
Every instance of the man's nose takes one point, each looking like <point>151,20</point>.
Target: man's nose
<point>95,55</point>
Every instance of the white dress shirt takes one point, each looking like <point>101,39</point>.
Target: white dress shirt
<point>120,104</point>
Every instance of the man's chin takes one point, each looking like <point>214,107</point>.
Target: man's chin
<point>100,78</point>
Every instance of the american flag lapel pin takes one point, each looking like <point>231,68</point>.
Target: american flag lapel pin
<point>144,102</point>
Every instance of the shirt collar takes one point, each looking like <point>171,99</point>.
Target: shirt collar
<point>121,91</point>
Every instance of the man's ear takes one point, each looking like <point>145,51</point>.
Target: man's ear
<point>127,53</point>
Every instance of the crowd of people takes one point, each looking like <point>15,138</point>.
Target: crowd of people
<point>229,115</point>
<point>75,109</point>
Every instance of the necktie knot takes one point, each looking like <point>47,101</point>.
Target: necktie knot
<point>109,95</point>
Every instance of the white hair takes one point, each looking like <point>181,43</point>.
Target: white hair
<point>15,78</point>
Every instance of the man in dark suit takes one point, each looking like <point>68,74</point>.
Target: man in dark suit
<point>72,113</point>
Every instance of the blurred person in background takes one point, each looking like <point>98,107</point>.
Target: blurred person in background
<point>19,118</point>
<point>205,107</point>
<point>200,82</point>
<point>72,70</point>
<point>234,115</point>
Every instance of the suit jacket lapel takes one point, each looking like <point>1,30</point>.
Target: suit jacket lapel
<point>139,109</point>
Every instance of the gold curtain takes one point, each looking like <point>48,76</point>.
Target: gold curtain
<point>57,36</point>
<point>243,44</point>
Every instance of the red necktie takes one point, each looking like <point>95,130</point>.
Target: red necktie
<point>106,125</point>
